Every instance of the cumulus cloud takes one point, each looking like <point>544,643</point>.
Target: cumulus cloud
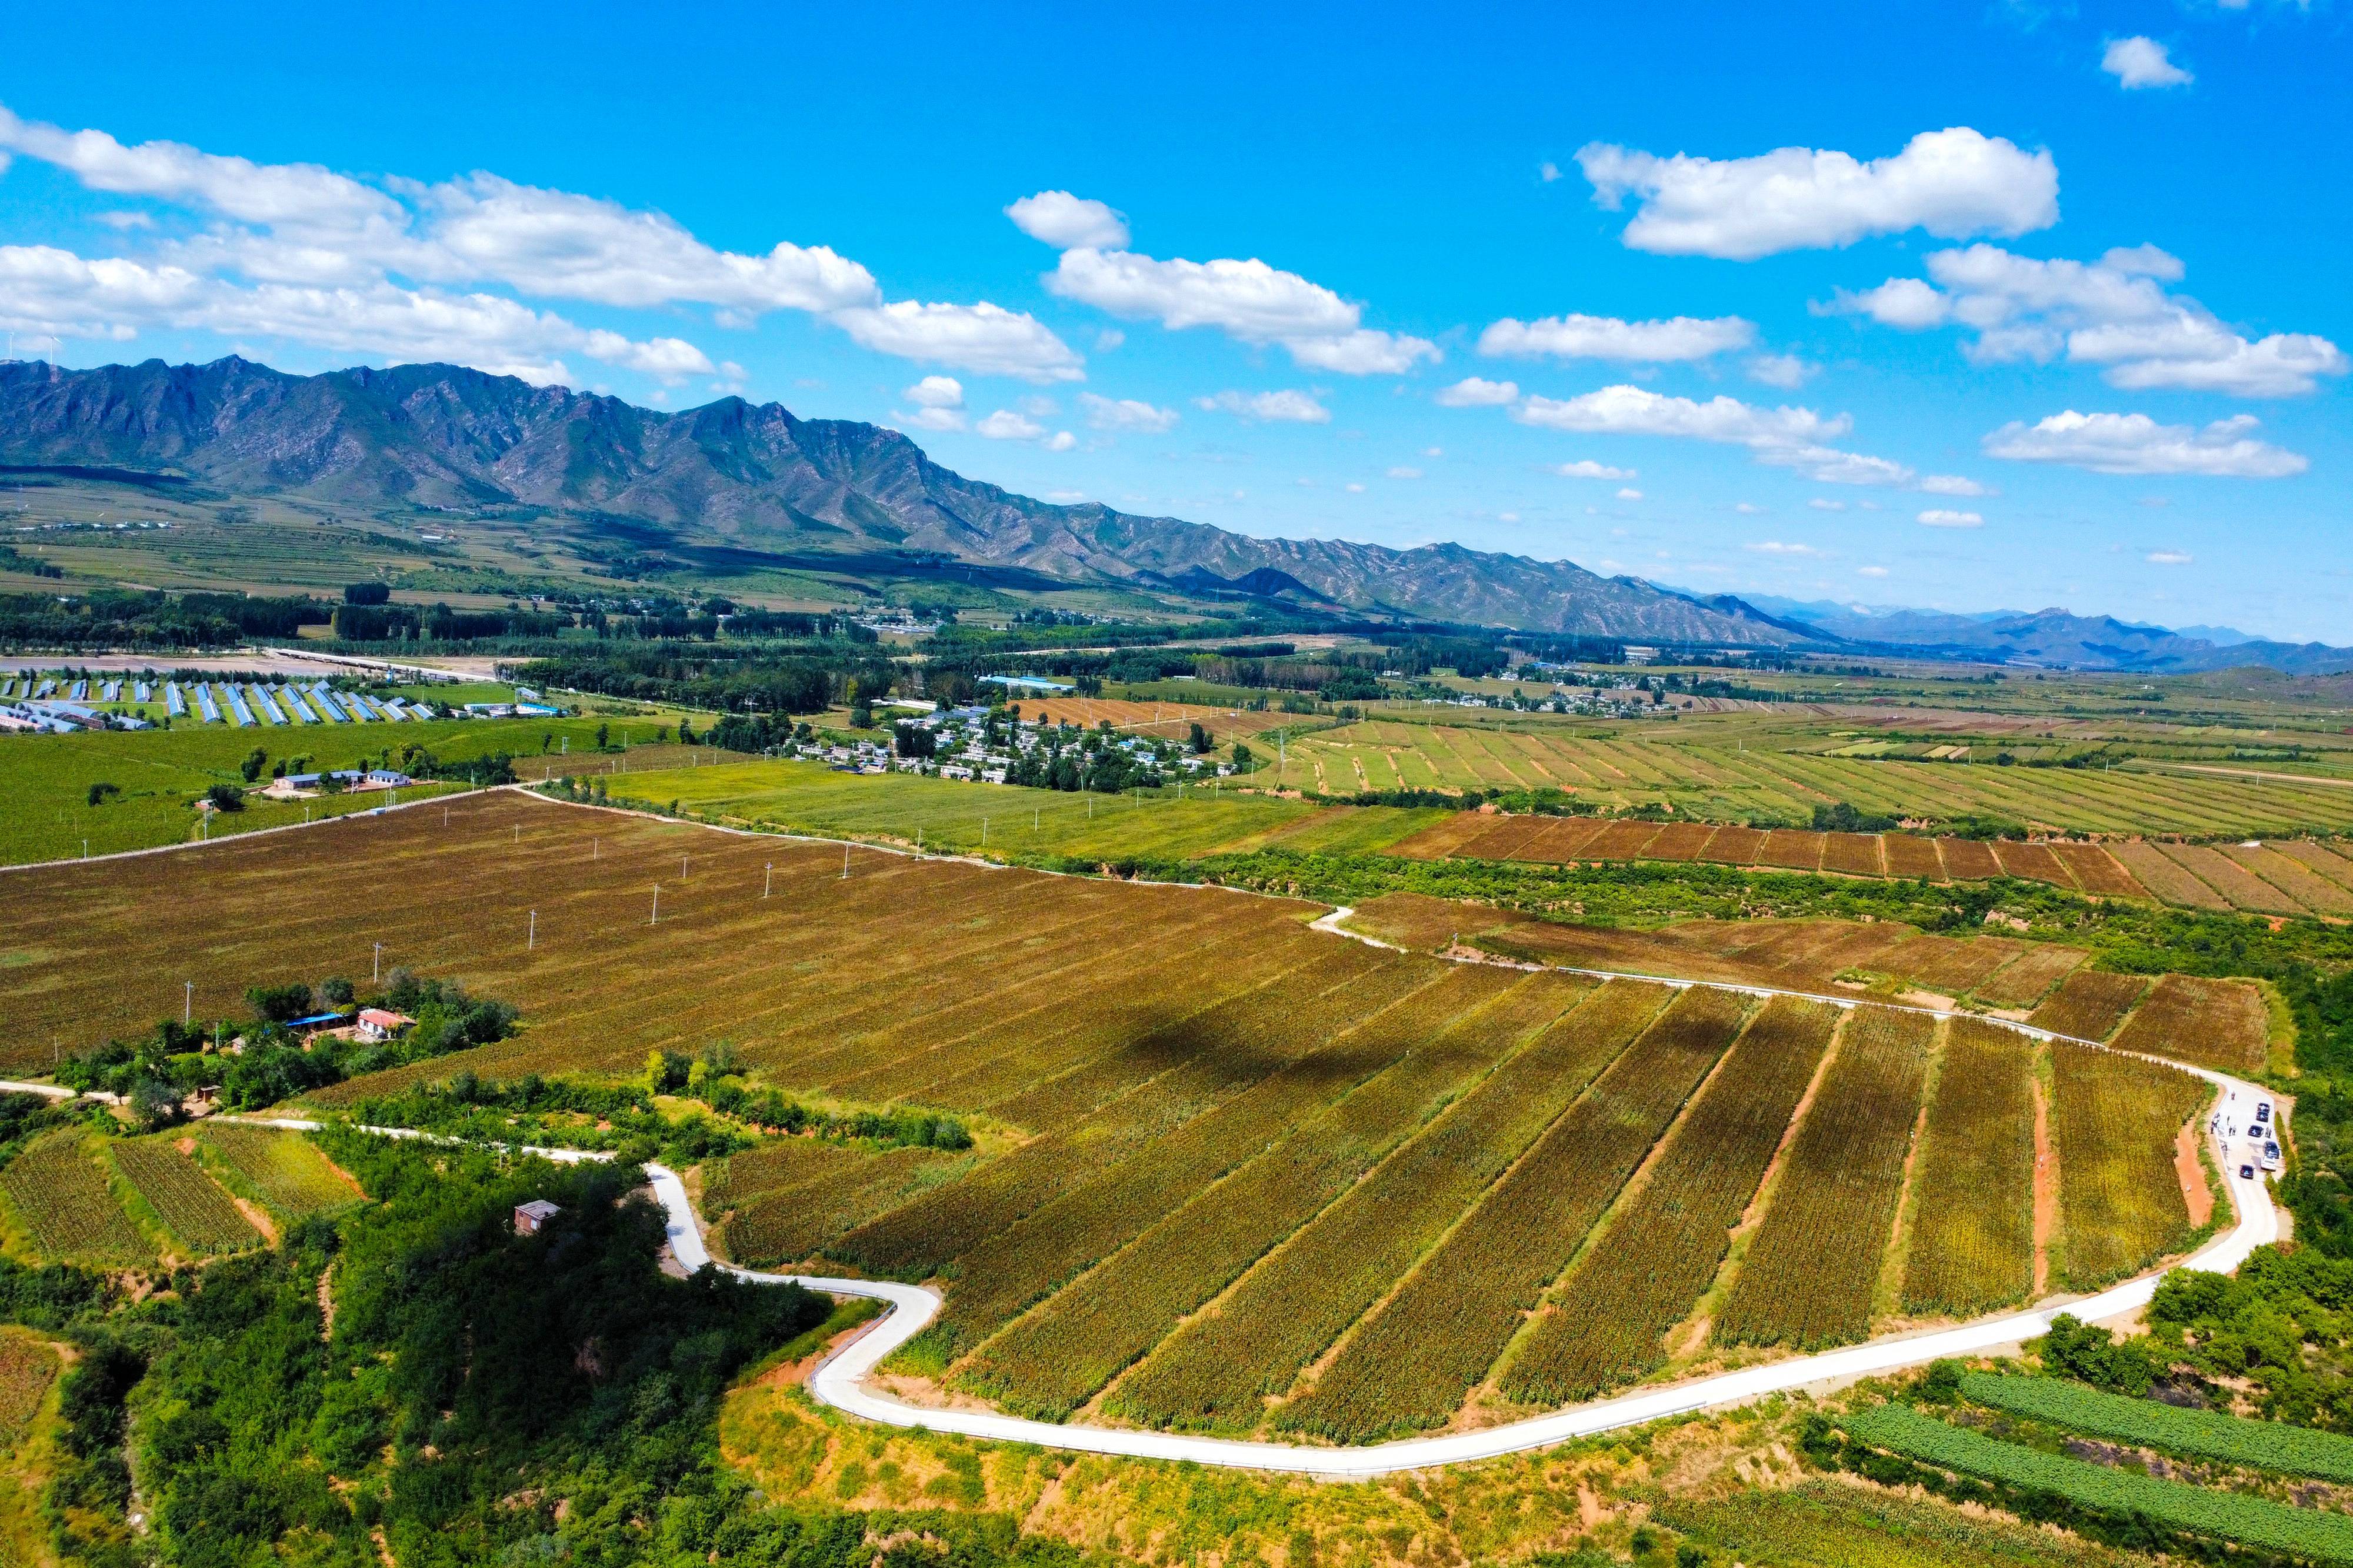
<point>1952,183</point>
<point>1788,438</point>
<point>1060,441</point>
<point>2136,444</point>
<point>1823,503</point>
<point>1067,222</point>
<point>1472,392</point>
<point>1402,472</point>
<point>1870,571</point>
<point>935,392</point>
<point>2169,558</point>
<point>983,339</point>
<point>1781,547</point>
<point>1587,469</point>
<point>1938,517</point>
<point>1125,413</point>
<point>1953,485</point>
<point>2142,62</point>
<point>1747,509</point>
<point>2115,311</point>
<point>1005,424</point>
<point>1630,493</point>
<point>1275,408</point>
<point>1248,301</point>
<point>1787,372</point>
<point>336,239</point>
<point>1607,337</point>
<point>46,290</point>
<point>931,419</point>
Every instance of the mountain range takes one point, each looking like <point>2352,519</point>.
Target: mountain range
<point>734,473</point>
<point>2054,638</point>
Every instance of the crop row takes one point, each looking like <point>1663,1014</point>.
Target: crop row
<point>2026,979</point>
<point>1973,1197</point>
<point>1003,1276</point>
<point>1143,1089</point>
<point>786,1224</point>
<point>1049,1362</point>
<point>1218,1369</point>
<point>1656,1258</point>
<point>2112,1123</point>
<point>287,1174</point>
<point>1810,1273</point>
<point>2273,1445</point>
<point>1414,1359</point>
<point>191,1205</point>
<point>61,1197</point>
<point>2213,1023</point>
<point>2090,1004</point>
<point>2314,1534</point>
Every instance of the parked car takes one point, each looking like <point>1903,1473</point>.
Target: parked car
<point>2246,1172</point>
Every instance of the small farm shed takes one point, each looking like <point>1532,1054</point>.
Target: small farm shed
<point>380,1024</point>
<point>529,1217</point>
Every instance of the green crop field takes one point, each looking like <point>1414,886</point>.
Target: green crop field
<point>46,780</point>
<point>2272,1445</point>
<point>2311,1534</point>
<point>66,1210</point>
<point>1234,1173</point>
<point>192,1209</point>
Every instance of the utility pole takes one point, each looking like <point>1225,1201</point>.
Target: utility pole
<point>655,919</point>
<point>531,935</point>
<point>187,1002</point>
<point>375,970</point>
<point>767,875</point>
<point>845,862</point>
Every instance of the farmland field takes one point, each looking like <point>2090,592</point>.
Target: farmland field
<point>61,1200</point>
<point>2120,1198</point>
<point>193,1210</point>
<point>2213,1023</point>
<point>283,1171</point>
<point>1615,768</point>
<point>1231,1173</point>
<point>28,1367</point>
<point>2090,1004</point>
<point>1972,1246</point>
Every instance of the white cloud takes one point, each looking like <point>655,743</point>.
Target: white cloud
<point>1067,222</point>
<point>1067,498</point>
<point>1952,183</point>
<point>1953,485</point>
<point>1249,300</point>
<point>1606,337</point>
<point>1472,392</point>
<point>2169,558</point>
<point>2142,62</point>
<point>1061,441</point>
<point>1821,503</point>
<point>1630,493</point>
<point>2136,443</point>
<point>1354,488</point>
<point>1548,171</point>
<point>1625,410</point>
<point>1781,547</point>
<point>1937,517</point>
<point>983,339</point>
<point>935,392</point>
<point>1405,473</point>
<point>1007,425</point>
<point>931,419</point>
<point>1787,372</point>
<point>1747,509</point>
<point>1277,407</point>
<point>1125,413</point>
<point>342,239</point>
<point>2115,312</point>
<point>1587,469</point>
<point>1433,451</point>
<point>1870,571</point>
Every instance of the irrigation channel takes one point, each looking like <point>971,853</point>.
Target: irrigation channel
<point>840,1380</point>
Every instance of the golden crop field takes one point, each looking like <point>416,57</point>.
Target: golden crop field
<point>1707,780</point>
<point>1237,1173</point>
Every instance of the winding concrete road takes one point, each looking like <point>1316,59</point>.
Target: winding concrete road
<point>841,1381</point>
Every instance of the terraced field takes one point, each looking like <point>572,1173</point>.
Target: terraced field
<point>1234,1174</point>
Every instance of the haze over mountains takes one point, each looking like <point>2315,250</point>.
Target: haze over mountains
<point>757,476</point>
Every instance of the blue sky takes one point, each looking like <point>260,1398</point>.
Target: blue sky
<point>1965,306</point>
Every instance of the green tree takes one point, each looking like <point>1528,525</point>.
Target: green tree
<point>255,761</point>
